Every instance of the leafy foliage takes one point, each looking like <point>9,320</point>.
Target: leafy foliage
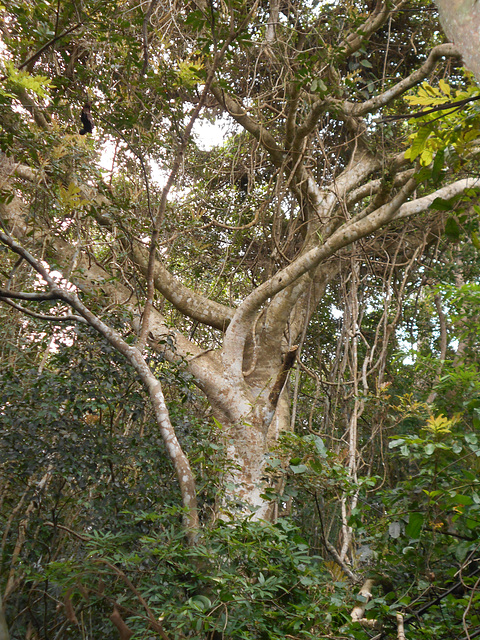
<point>376,481</point>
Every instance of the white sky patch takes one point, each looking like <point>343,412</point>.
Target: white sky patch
<point>207,135</point>
<point>336,313</point>
<point>212,134</point>
<point>107,156</point>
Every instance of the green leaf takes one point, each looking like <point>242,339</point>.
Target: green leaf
<point>439,204</point>
<point>426,157</point>
<point>414,526</point>
<point>445,87</point>
<point>438,165</point>
<point>301,468</point>
<point>316,466</point>
<point>201,603</point>
<point>433,494</point>
<point>320,446</point>
<point>318,85</point>
<point>452,230</point>
<point>418,143</point>
<point>461,550</point>
<point>475,240</point>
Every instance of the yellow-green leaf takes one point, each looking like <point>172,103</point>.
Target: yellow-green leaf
<point>426,157</point>
<point>418,144</point>
<point>475,240</point>
<point>445,87</point>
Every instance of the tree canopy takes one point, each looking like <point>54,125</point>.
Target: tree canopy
<point>239,303</point>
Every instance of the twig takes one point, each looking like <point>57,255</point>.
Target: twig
<point>146,20</point>
<point>41,316</point>
<point>331,549</point>
<point>38,53</point>
<point>455,106</point>
<point>70,531</point>
<point>156,625</point>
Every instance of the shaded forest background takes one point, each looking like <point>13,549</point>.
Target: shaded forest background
<point>239,386</point>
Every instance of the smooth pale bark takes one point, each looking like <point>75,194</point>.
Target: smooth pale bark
<point>461,21</point>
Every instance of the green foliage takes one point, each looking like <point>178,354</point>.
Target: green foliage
<point>430,521</point>
<point>19,79</point>
<point>443,136</point>
<point>79,445</point>
<point>89,503</point>
<point>237,580</point>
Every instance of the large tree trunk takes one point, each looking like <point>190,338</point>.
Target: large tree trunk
<point>245,379</point>
<point>461,21</point>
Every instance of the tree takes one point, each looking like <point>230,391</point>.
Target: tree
<point>231,271</point>
<point>460,21</point>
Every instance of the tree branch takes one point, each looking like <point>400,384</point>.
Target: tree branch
<point>48,44</point>
<point>41,316</point>
<point>446,106</point>
<point>287,364</point>
<point>134,356</point>
<point>155,624</point>
<point>144,328</point>
<point>240,115</point>
<point>445,193</point>
<point>375,21</point>
<point>441,51</point>
<point>23,295</point>
<point>236,334</point>
<point>189,302</point>
<point>94,280</point>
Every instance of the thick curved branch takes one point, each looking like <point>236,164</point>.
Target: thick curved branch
<point>373,23</point>
<point>192,304</point>
<point>9,167</point>
<point>374,186</point>
<point>445,193</point>
<point>41,117</point>
<point>134,356</point>
<point>316,112</point>
<point>240,115</point>
<point>324,201</point>
<point>441,51</point>
<point>237,331</point>
<point>348,233</point>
